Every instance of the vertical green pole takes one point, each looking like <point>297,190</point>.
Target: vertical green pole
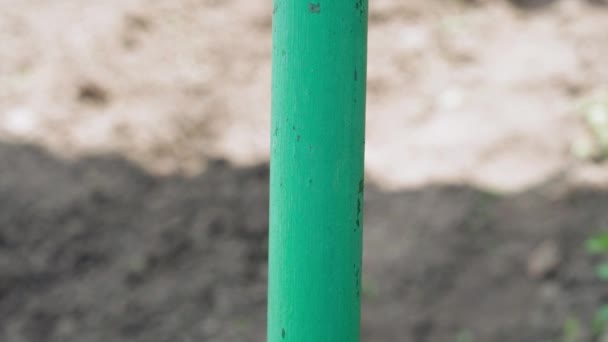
<point>316,179</point>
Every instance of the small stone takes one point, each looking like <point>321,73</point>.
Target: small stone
<point>66,327</point>
<point>137,264</point>
<point>21,122</point>
<point>544,260</point>
<point>549,292</point>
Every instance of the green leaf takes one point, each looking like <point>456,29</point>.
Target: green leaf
<point>597,244</point>
<point>465,336</point>
<point>572,330</point>
<point>602,271</point>
<point>600,320</point>
<point>368,287</point>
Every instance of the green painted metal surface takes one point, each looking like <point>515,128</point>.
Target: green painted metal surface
<point>316,180</point>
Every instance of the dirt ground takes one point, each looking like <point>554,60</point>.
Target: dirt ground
<point>100,250</point>
<point>133,170</point>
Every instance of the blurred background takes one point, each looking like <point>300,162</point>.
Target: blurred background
<point>134,144</point>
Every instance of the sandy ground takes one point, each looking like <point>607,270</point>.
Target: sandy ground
<point>113,113</point>
<point>483,94</point>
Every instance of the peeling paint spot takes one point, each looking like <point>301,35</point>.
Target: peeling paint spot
<point>357,282</point>
<point>275,9</point>
<point>359,7</point>
<point>314,8</point>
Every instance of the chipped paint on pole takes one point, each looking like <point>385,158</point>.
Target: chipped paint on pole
<point>316,180</point>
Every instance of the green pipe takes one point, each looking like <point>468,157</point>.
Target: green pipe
<point>316,178</point>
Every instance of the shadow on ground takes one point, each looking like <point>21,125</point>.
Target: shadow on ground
<point>98,250</point>
<point>540,4</point>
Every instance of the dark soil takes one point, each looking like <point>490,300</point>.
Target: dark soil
<point>98,250</point>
